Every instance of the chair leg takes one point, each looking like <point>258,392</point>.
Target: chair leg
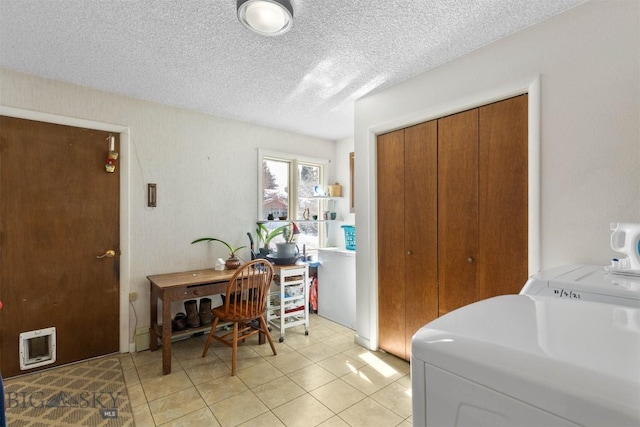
<point>213,331</point>
<point>234,348</point>
<point>265,330</point>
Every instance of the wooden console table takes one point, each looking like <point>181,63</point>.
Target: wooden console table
<point>178,287</point>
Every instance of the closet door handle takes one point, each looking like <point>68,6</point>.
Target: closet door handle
<point>470,259</point>
<point>409,252</point>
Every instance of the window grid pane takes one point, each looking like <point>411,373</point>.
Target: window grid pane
<point>309,176</point>
<point>275,184</point>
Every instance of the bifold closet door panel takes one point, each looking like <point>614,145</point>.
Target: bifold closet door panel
<point>457,209</point>
<point>421,227</point>
<point>503,176</point>
<point>391,254</point>
<point>452,216</point>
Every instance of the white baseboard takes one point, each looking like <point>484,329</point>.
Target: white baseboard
<point>363,342</point>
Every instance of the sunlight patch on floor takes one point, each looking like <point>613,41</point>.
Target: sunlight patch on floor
<point>378,364</point>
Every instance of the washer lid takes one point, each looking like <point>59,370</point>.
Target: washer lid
<point>585,282</point>
<point>578,361</point>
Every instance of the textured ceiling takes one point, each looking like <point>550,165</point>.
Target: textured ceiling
<point>196,55</point>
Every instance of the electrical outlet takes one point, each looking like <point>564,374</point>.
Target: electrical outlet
<point>133,296</point>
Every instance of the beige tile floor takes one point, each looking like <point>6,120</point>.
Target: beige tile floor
<point>322,379</point>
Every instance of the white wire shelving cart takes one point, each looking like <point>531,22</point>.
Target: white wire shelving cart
<point>288,302</point>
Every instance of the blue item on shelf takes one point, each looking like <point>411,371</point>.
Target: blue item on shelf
<point>349,237</point>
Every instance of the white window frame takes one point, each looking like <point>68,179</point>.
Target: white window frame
<point>294,161</point>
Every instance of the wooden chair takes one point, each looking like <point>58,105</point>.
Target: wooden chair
<point>245,302</point>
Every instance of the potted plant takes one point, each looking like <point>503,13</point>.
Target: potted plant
<point>288,249</point>
<point>265,236</point>
<point>233,261</point>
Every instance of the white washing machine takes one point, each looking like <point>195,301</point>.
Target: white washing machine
<point>585,283</point>
<point>562,353</point>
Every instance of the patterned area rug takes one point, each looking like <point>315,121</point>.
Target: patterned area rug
<point>91,393</point>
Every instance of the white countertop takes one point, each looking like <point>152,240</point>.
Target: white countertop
<point>340,251</point>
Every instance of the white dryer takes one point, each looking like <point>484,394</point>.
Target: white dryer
<point>542,358</point>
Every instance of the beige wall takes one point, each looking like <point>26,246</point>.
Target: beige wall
<point>586,65</point>
<point>205,168</point>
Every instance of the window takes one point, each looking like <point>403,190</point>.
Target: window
<point>288,186</point>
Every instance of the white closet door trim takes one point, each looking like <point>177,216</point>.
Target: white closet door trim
<point>531,86</point>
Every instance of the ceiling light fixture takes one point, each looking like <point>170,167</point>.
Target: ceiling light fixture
<point>266,17</point>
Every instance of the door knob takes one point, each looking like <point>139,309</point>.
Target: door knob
<point>109,254</point>
<point>409,252</point>
<point>469,260</point>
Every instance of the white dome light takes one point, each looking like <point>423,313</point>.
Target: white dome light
<point>266,17</point>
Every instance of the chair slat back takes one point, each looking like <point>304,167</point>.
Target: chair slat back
<point>248,288</point>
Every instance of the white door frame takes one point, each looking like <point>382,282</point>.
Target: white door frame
<point>123,164</point>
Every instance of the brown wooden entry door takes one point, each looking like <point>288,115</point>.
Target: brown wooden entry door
<point>59,210</point>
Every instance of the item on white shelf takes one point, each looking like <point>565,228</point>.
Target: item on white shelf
<point>335,190</point>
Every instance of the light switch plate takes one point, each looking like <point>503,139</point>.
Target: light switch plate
<point>151,195</point>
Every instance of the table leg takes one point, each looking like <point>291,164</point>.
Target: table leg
<point>153,320</point>
<point>166,337</point>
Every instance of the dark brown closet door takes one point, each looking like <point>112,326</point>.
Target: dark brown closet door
<point>421,227</point>
<point>457,209</point>
<point>503,176</point>
<point>391,242</point>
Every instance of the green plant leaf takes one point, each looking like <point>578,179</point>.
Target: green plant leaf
<point>265,236</point>
<point>275,233</point>
<point>261,231</point>
<point>232,251</point>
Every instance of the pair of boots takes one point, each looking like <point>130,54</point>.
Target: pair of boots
<point>198,317</point>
